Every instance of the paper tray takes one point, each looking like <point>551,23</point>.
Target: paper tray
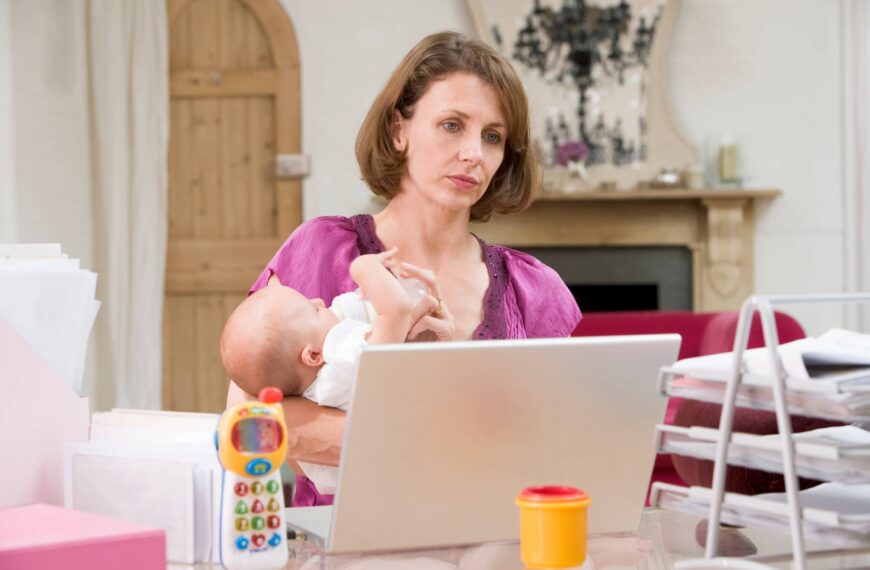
<point>832,513</point>
<point>839,454</point>
<point>846,407</point>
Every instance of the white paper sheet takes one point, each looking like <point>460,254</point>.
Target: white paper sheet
<point>112,486</point>
<point>50,302</point>
<point>155,455</point>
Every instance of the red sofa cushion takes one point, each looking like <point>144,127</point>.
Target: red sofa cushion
<point>703,333</point>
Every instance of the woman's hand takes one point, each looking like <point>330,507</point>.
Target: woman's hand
<point>431,319</point>
<point>314,433</point>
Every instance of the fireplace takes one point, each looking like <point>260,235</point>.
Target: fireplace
<point>707,233</point>
<point>623,278</point>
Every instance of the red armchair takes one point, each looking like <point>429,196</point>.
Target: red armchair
<point>703,333</point>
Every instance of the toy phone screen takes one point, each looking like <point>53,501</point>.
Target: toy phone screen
<point>257,435</point>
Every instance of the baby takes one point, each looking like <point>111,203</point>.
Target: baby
<point>277,337</point>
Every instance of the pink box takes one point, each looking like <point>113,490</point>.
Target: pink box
<point>35,537</point>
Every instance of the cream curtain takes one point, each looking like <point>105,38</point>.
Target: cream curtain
<point>855,19</point>
<point>128,99</point>
<point>7,172</point>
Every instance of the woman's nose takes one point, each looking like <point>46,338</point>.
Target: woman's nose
<point>472,150</point>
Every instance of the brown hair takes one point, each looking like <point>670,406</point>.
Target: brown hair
<point>518,179</point>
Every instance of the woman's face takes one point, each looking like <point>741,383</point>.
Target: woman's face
<point>455,140</point>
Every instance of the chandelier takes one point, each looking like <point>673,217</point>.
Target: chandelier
<point>579,44</point>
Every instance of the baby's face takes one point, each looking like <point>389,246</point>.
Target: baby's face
<point>308,316</point>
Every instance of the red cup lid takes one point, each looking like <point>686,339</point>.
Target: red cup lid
<point>270,395</point>
<point>552,494</point>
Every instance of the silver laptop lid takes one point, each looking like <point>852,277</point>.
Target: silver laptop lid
<point>441,437</point>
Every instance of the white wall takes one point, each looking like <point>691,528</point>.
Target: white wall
<point>347,52</point>
<point>769,73</point>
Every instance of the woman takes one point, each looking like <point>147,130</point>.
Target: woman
<point>446,142</point>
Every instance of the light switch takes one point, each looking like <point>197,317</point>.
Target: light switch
<point>291,165</point>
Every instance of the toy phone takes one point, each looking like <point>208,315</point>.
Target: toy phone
<point>251,441</point>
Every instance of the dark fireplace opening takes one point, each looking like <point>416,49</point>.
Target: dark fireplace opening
<point>623,278</point>
<point>615,297</point>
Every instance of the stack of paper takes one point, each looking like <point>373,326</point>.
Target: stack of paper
<point>828,376</point>
<point>158,469</point>
<point>839,454</point>
<point>49,301</point>
<point>832,513</point>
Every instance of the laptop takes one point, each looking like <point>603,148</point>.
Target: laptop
<point>440,438</point>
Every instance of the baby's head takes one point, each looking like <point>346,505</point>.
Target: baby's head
<point>275,338</point>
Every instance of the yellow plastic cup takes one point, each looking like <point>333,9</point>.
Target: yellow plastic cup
<point>552,526</point>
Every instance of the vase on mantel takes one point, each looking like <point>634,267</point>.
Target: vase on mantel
<point>571,156</point>
<point>576,178</point>
<point>562,179</point>
<point>565,179</point>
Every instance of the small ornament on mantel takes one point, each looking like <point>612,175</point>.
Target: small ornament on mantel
<point>729,164</point>
<point>572,156</point>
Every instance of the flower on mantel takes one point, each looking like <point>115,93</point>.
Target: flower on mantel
<point>571,152</point>
<point>572,155</point>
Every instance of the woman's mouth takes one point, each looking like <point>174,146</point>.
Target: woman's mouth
<point>462,181</point>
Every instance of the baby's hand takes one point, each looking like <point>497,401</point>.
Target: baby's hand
<point>431,316</point>
<point>390,260</point>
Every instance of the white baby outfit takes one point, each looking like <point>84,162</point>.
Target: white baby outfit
<point>334,382</point>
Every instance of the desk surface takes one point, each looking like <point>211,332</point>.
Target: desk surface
<point>664,538</point>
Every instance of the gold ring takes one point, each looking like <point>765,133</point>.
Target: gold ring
<point>436,312</point>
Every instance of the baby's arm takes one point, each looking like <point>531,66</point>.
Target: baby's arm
<point>391,303</point>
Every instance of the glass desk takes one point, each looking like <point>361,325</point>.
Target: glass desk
<point>664,538</point>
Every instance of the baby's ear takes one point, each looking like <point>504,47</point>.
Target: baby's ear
<point>311,356</point>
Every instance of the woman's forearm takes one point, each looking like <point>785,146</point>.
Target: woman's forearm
<point>314,433</point>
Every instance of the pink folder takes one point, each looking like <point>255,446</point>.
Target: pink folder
<point>38,414</point>
<point>35,537</point>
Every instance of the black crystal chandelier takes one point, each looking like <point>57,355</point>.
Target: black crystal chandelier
<point>579,43</point>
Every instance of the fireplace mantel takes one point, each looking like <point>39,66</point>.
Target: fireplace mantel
<point>717,226</point>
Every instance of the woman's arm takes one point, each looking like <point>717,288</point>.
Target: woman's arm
<point>314,433</point>
<point>324,247</point>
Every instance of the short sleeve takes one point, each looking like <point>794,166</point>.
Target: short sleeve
<point>315,259</point>
<point>543,303</point>
<point>334,383</point>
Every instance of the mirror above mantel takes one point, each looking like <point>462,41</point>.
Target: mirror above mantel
<point>608,91</point>
<point>596,76</point>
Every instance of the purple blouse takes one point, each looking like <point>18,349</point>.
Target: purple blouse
<point>525,298</point>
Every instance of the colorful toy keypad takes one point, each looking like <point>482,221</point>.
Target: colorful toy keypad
<point>257,511</point>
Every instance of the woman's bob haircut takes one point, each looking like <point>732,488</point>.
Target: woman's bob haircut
<point>517,181</point>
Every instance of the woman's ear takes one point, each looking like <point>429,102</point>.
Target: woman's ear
<point>398,132</point>
<point>311,356</point>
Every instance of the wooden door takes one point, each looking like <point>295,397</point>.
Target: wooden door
<point>234,105</point>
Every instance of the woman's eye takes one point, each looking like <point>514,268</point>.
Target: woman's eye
<point>451,126</point>
<point>492,138</point>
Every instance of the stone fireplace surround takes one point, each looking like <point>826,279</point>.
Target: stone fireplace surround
<point>717,227</point>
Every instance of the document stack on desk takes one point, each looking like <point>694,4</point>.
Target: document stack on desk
<point>828,376</point>
<point>49,301</point>
<point>158,469</point>
<point>47,309</point>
